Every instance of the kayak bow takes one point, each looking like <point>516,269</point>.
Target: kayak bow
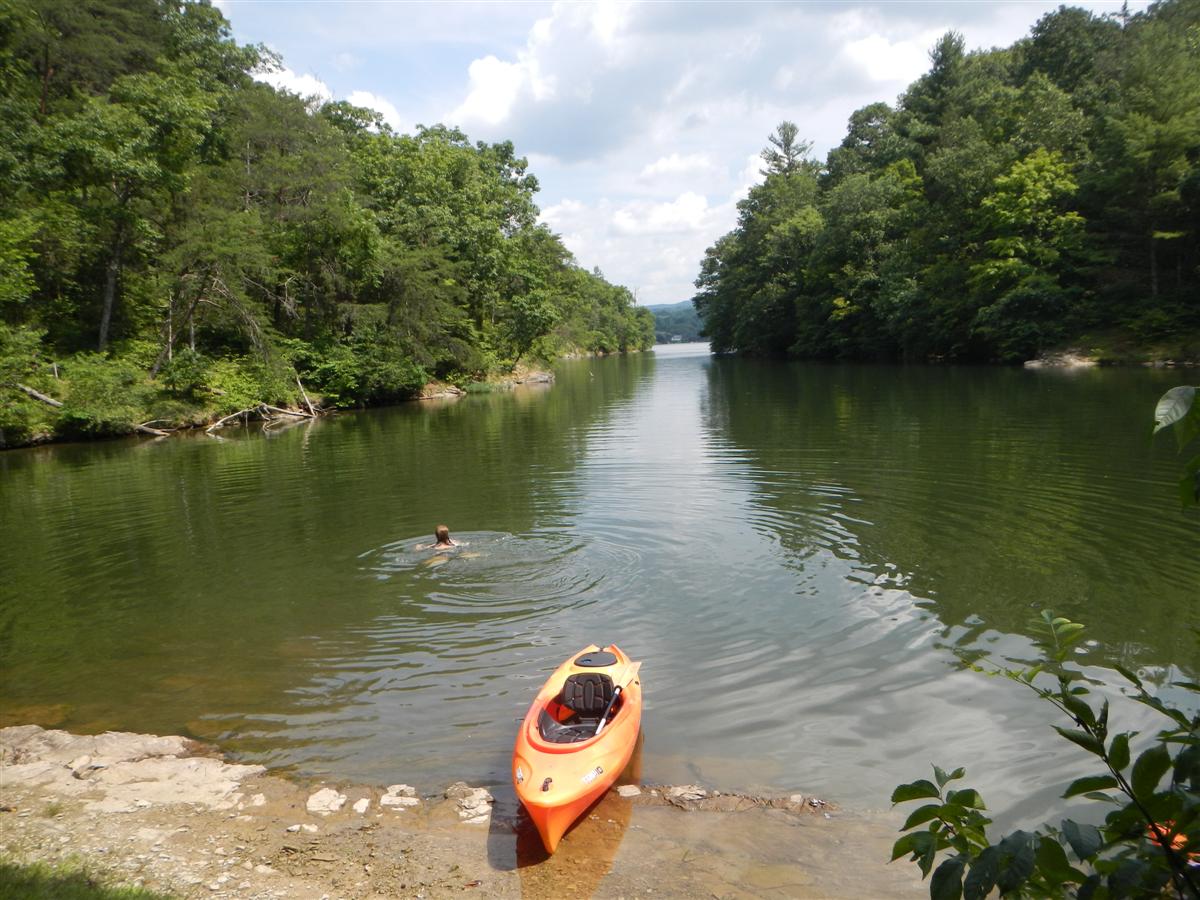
<point>577,738</point>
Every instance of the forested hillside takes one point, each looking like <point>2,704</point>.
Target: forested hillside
<point>676,320</point>
<point>1013,200</point>
<point>178,241</point>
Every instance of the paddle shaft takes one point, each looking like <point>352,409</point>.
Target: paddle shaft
<point>607,710</point>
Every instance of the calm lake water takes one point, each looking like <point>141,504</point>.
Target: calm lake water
<point>801,554</point>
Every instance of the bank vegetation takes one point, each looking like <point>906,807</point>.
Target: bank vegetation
<point>180,242</point>
<point>1013,201</point>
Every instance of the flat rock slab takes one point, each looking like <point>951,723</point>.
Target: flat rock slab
<point>119,772</point>
<point>399,797</point>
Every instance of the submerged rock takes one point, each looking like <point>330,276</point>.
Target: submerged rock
<point>474,804</point>
<point>628,790</point>
<point>686,792</point>
<point>399,796</point>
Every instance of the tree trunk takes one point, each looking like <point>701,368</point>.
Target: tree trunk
<point>47,74</point>
<point>1153,268</point>
<point>110,289</point>
<point>167,352</point>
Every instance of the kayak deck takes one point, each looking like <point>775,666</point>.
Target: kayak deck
<point>577,737</point>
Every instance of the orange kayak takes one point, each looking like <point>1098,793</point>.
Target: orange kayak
<point>577,738</point>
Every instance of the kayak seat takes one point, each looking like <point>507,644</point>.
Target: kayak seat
<point>586,696</point>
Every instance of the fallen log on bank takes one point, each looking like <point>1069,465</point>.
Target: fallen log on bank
<point>37,395</point>
<point>265,411</point>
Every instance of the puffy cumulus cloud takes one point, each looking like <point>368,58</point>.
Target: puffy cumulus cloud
<point>495,87</point>
<point>675,164</point>
<point>384,107</point>
<point>686,213</point>
<point>651,247</point>
<point>309,86</point>
<point>891,62</point>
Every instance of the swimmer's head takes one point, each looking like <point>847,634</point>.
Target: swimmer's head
<point>442,533</point>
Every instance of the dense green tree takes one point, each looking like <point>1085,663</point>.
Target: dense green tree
<point>222,243</point>
<point>1016,199</point>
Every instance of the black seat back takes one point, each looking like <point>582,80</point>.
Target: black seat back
<point>587,695</point>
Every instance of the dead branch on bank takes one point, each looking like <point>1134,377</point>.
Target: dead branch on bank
<point>241,413</point>
<point>304,394</point>
<point>287,412</point>
<point>265,411</point>
<point>37,395</point>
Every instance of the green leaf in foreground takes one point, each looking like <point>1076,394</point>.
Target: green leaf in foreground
<point>1149,770</point>
<point>1083,739</point>
<point>1089,783</point>
<point>1085,840</point>
<point>1173,406</point>
<point>946,883</point>
<point>921,815</point>
<point>916,790</point>
<point>1118,751</point>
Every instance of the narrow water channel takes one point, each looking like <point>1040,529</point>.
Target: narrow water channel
<point>801,554</point>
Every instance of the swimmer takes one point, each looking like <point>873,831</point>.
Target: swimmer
<point>444,541</point>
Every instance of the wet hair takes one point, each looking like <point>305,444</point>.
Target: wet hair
<point>442,533</point>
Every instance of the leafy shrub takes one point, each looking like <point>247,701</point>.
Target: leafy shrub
<point>1141,849</point>
<point>242,382</point>
<point>370,369</point>
<point>22,418</point>
<point>1138,851</point>
<point>185,373</point>
<point>104,396</point>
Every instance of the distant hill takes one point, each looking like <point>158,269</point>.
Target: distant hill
<point>671,319</point>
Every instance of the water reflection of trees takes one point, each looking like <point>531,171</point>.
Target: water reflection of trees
<point>993,492</point>
<point>148,583</point>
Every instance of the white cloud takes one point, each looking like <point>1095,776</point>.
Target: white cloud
<point>308,86</point>
<point>891,61</point>
<point>687,212</point>
<point>675,164</point>
<point>384,107</point>
<point>609,17</point>
<point>494,89</point>
<point>651,247</point>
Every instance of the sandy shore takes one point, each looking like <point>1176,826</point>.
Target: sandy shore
<point>169,814</point>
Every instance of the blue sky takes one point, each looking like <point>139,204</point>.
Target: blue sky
<point>643,121</point>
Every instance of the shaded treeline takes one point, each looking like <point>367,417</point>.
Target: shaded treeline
<point>1012,201</point>
<point>178,240</point>
<point>676,320</point>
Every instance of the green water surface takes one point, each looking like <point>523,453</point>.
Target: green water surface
<point>799,553</point>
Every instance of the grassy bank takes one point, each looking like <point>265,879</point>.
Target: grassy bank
<point>68,881</point>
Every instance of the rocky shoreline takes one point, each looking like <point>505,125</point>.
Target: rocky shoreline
<point>1080,359</point>
<point>168,814</point>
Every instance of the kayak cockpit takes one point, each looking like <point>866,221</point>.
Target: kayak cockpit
<point>574,714</point>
